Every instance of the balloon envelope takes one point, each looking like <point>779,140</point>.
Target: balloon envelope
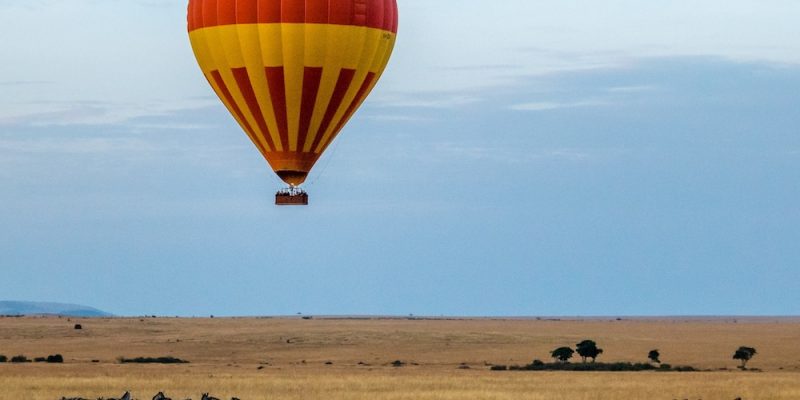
<point>292,72</point>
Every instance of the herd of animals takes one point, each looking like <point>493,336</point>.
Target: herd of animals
<point>159,396</point>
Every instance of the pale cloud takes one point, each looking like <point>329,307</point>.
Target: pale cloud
<point>169,126</point>
<point>394,118</point>
<point>633,89</point>
<point>615,95</point>
<point>439,47</point>
<point>424,100</point>
<point>24,83</point>
<point>126,55</point>
<point>549,105</point>
<point>97,113</point>
<point>77,146</point>
<point>18,153</point>
<point>510,156</point>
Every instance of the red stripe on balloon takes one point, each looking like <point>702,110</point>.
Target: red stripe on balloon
<point>342,84</point>
<point>269,12</point>
<point>292,11</point>
<point>396,25</point>
<point>375,14</point>
<point>246,87</point>
<point>316,12</point>
<point>246,12</point>
<point>360,12</point>
<point>190,16</point>
<point>196,7</point>
<point>277,91</point>
<point>379,14</point>
<point>235,108</point>
<point>360,97</point>
<point>392,20</point>
<point>311,80</point>
<point>210,13</point>
<point>226,12</point>
<point>341,12</point>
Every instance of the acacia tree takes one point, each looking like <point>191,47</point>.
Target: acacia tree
<point>562,354</point>
<point>744,354</point>
<point>654,356</point>
<point>588,349</point>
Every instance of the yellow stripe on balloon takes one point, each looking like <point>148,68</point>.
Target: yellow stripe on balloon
<point>343,41</point>
<point>337,46</point>
<point>293,47</point>
<point>369,40</point>
<point>207,49</point>
<point>230,57</point>
<point>293,67</point>
<point>250,43</point>
<point>270,38</point>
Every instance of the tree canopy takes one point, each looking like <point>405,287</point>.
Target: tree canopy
<point>744,354</point>
<point>588,349</point>
<point>654,356</point>
<point>562,354</point>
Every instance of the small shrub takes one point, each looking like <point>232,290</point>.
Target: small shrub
<point>3,358</point>
<point>499,368</point>
<point>55,359</point>
<point>78,326</point>
<point>19,359</point>
<point>39,359</point>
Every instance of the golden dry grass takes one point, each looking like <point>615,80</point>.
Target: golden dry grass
<point>226,355</point>
<point>408,385</point>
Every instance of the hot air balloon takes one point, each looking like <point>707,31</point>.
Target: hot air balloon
<point>292,72</point>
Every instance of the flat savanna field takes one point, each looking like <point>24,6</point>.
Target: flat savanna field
<point>337,358</point>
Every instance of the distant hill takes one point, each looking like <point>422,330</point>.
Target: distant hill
<point>37,308</point>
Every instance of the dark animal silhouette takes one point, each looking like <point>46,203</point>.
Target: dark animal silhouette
<point>126,396</point>
<point>159,396</point>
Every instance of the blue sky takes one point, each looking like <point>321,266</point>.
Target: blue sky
<point>518,158</point>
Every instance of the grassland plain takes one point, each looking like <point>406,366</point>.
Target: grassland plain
<point>336,358</point>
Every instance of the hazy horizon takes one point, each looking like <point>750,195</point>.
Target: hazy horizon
<point>397,316</point>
